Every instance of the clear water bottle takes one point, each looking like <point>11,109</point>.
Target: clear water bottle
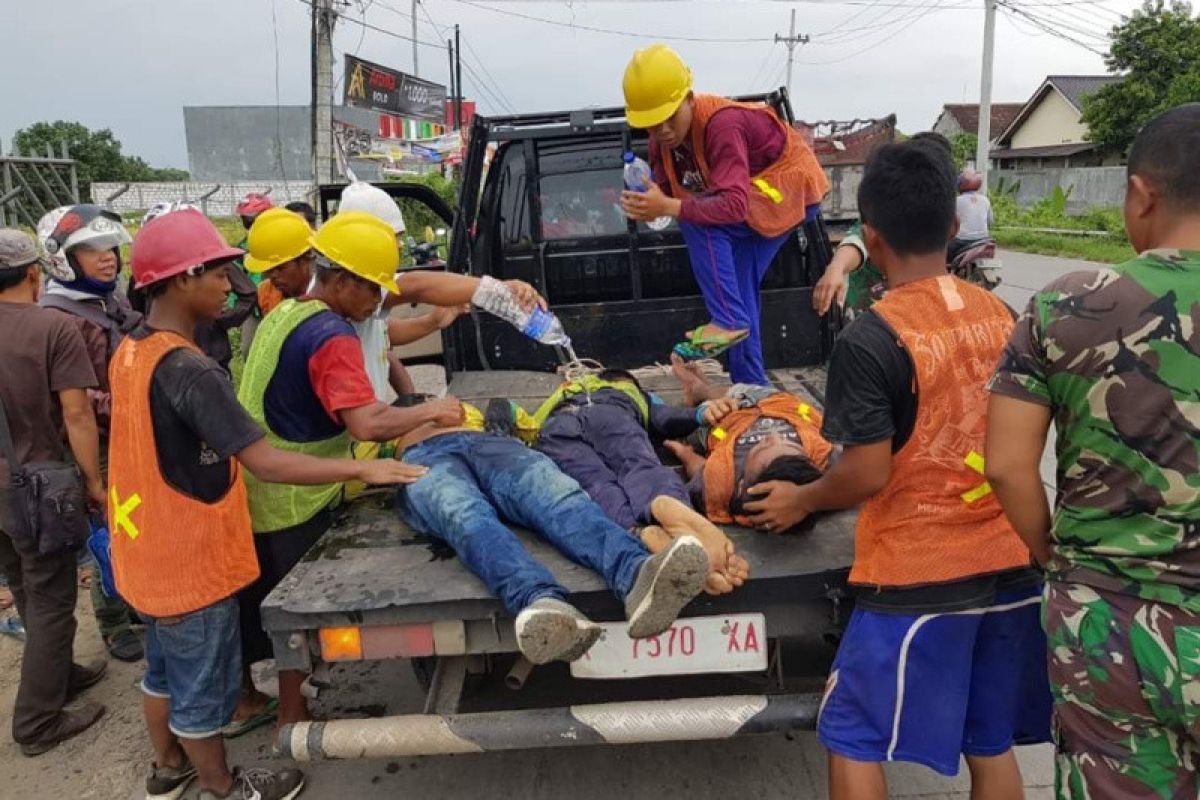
<point>495,298</point>
<point>638,178</point>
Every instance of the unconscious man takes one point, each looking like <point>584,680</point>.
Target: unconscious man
<point>749,435</point>
<point>478,482</point>
<point>597,430</point>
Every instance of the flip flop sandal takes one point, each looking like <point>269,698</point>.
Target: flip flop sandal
<point>701,347</point>
<point>240,727</point>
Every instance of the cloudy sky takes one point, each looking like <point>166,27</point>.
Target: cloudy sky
<point>131,65</point>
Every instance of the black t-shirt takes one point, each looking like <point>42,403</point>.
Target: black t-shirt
<point>871,394</point>
<point>199,425</point>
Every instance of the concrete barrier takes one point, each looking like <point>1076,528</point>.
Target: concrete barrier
<point>1088,186</point>
<point>141,196</point>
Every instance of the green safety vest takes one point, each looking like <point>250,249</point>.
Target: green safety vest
<point>590,383</point>
<point>275,506</point>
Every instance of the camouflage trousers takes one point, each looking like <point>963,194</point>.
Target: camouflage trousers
<point>1125,673</point>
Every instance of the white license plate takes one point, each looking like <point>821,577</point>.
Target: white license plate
<point>989,265</point>
<point>733,643</point>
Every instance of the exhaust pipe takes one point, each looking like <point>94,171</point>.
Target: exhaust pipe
<point>516,677</point>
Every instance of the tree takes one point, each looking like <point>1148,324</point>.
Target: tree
<point>97,153</point>
<point>1158,50</point>
<point>964,145</point>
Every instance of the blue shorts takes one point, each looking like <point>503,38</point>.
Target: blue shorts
<point>929,687</point>
<point>195,661</point>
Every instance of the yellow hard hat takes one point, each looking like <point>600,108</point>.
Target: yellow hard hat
<point>656,84</point>
<point>362,244</point>
<point>276,237</point>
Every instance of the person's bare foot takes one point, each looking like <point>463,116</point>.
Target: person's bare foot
<point>679,519</point>
<point>695,388</point>
<point>738,569</point>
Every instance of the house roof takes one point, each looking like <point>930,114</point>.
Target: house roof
<point>847,142</point>
<point>1046,151</point>
<point>1072,87</point>
<point>967,115</point>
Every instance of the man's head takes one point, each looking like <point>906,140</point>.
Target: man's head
<point>907,202</point>
<point>20,264</point>
<point>658,94</point>
<point>357,257</point>
<point>362,196</point>
<point>305,210</point>
<point>278,246</point>
<point>183,262</point>
<point>250,206</point>
<point>1163,187</point>
<point>790,464</point>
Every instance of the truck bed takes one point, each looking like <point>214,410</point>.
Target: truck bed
<point>373,569</point>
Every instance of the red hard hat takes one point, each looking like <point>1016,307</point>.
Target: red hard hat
<point>174,243</point>
<point>253,204</point>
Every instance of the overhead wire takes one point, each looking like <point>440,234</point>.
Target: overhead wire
<point>496,90</point>
<point>1048,28</point>
<point>899,26</point>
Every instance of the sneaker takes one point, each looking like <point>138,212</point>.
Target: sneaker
<point>665,584</point>
<point>125,646</point>
<point>70,723</point>
<point>551,630</point>
<point>165,783</point>
<point>261,784</point>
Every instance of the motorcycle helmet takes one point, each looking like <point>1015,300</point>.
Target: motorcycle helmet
<point>64,229</point>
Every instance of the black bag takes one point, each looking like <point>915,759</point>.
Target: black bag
<point>49,505</point>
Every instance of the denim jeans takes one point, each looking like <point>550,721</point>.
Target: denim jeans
<point>475,480</point>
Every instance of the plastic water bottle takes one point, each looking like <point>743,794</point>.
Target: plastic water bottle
<point>638,178</point>
<point>495,298</point>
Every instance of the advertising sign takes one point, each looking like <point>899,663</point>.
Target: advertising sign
<point>370,85</point>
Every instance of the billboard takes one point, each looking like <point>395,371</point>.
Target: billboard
<point>370,85</point>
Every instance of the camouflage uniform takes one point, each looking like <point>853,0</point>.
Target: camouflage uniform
<point>1116,355</point>
<point>866,284</point>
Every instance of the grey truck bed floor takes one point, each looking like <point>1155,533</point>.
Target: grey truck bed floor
<point>373,569</point>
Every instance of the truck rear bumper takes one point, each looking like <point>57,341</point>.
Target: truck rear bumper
<point>607,723</point>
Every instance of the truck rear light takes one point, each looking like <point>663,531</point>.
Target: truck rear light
<point>341,644</point>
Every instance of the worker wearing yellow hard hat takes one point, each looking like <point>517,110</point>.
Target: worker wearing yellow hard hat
<point>737,178</point>
<point>277,248</point>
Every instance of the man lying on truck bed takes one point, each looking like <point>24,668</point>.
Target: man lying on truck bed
<point>477,478</point>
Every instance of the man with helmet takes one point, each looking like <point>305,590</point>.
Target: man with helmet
<point>737,178</point>
<point>179,440</point>
<point>974,214</point>
<point>84,244</point>
<point>45,373</point>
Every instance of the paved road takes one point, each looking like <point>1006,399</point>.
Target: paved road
<point>769,766</point>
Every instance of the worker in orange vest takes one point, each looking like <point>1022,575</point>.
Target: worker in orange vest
<point>182,545</point>
<point>737,178</point>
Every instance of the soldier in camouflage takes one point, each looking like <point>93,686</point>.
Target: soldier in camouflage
<point>1113,358</point>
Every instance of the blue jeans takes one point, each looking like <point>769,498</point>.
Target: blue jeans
<point>195,661</point>
<point>730,262</point>
<point>475,479</point>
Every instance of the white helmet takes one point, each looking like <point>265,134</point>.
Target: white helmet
<point>158,209</point>
<point>362,196</point>
<point>67,227</point>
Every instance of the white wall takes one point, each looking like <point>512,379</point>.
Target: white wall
<point>141,196</point>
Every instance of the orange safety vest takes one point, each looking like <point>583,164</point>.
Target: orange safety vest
<point>172,554</point>
<point>268,297</point>
<point>937,519</point>
<point>720,468</point>
<point>779,194</point>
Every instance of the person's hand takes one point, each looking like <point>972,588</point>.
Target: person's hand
<point>97,495</point>
<point>831,287</point>
<point>444,316</point>
<point>447,412</point>
<point>779,508</point>
<point>648,205</point>
<point>719,409</point>
<point>387,471</point>
<point>526,296</point>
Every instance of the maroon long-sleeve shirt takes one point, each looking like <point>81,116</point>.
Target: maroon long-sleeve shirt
<point>738,143</point>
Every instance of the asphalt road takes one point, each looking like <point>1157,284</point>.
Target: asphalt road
<point>773,766</point>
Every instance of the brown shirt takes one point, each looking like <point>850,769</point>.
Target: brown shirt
<point>41,353</point>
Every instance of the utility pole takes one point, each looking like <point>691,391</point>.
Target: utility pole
<point>453,111</point>
<point>458,90</point>
<point>322,85</point>
<point>416,68</point>
<point>791,40</point>
<point>983,147</point>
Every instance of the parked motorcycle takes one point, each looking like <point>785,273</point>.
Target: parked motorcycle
<point>977,264</point>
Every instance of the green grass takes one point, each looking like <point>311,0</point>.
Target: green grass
<point>1104,249</point>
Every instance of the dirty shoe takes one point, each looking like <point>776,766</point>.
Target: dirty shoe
<point>665,584</point>
<point>169,783</point>
<point>261,784</point>
<point>551,630</point>
<point>70,723</point>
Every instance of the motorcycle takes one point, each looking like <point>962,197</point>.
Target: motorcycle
<point>426,255</point>
<point>977,264</point>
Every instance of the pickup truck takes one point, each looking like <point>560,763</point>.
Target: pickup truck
<point>538,202</point>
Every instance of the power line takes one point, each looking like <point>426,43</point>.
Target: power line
<point>1048,28</point>
<point>498,92</point>
<point>384,31</point>
<point>904,24</point>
